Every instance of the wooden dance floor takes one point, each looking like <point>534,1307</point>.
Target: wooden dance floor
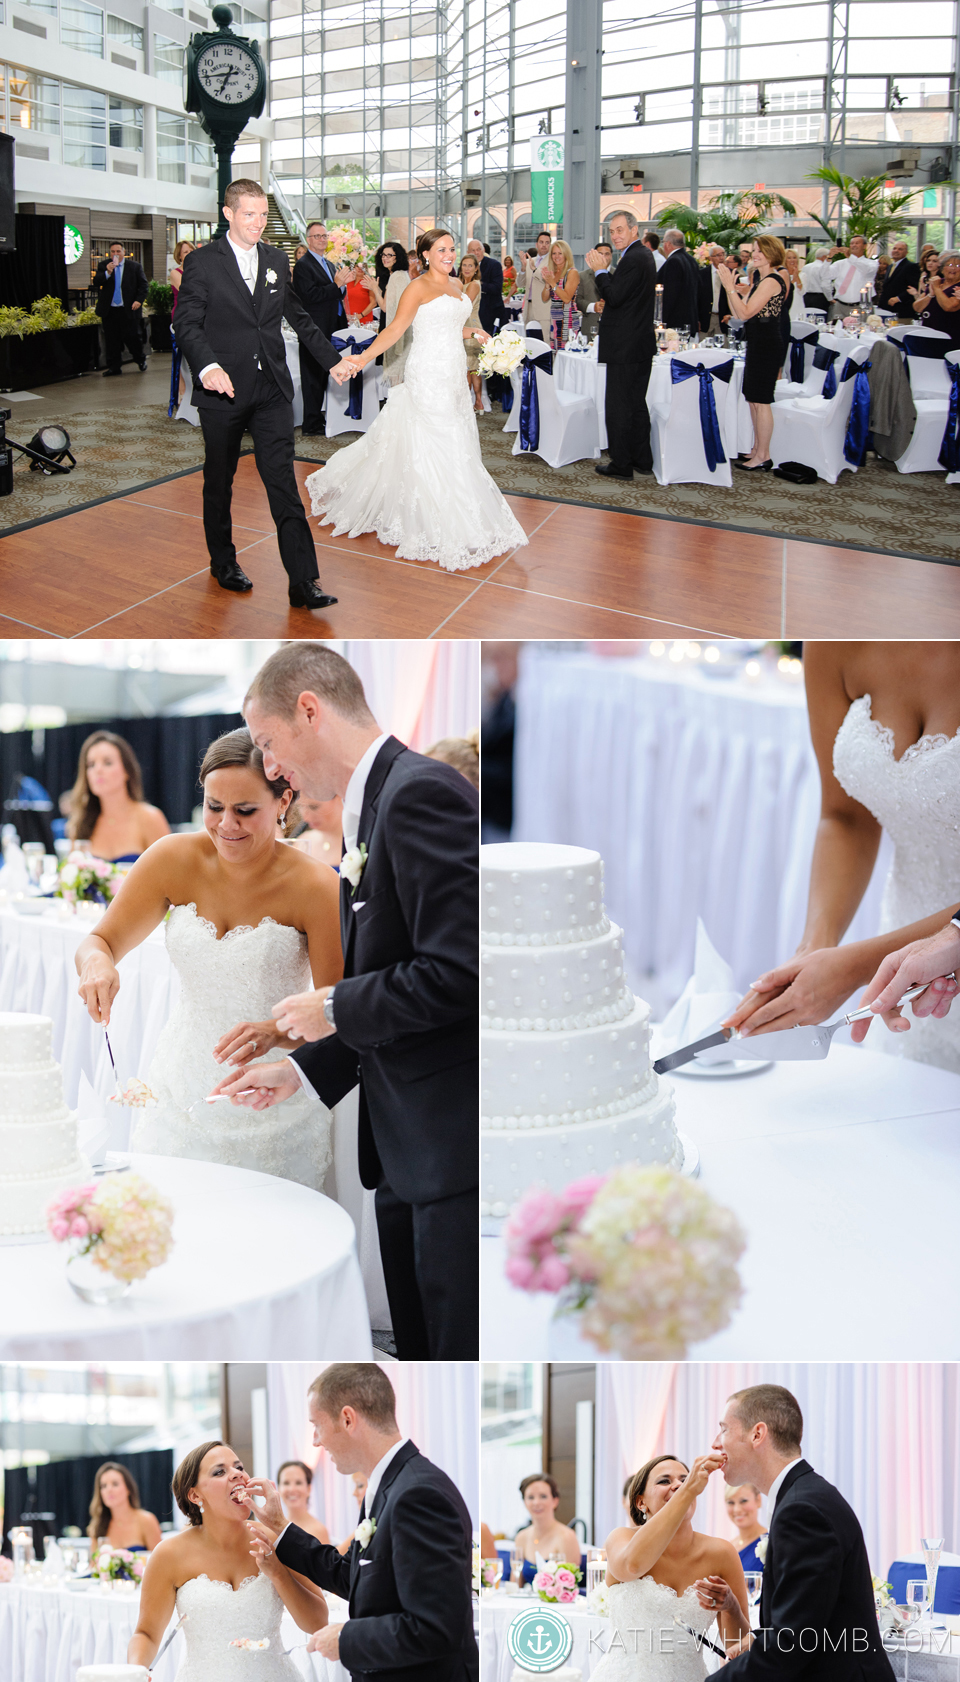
<point>136,566</point>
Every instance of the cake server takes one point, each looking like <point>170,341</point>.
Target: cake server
<point>112,1063</point>
<point>162,1650</point>
<point>804,1044</point>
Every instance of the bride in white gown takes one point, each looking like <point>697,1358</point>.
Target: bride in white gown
<point>207,1575</point>
<point>885,721</point>
<point>249,921</point>
<point>661,1604</point>
<point>416,477</point>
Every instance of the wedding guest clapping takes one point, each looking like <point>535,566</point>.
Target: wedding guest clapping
<point>116,1515</point>
<point>761,311</point>
<point>294,1482</point>
<point>387,284</point>
<point>545,1535</point>
<point>107,806</point>
<point>743,1508</point>
<point>931,960</point>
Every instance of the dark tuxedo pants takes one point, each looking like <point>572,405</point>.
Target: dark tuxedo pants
<point>269,419</point>
<point>313,380</point>
<point>626,414</point>
<point>429,1253</point>
<point>121,327</point>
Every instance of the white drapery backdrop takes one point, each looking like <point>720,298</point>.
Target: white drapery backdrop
<point>438,1407</point>
<point>887,1435</point>
<point>420,691</point>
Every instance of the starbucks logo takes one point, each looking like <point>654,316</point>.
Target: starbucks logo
<point>72,244</point>
<point>550,154</point>
<point>540,1639</point>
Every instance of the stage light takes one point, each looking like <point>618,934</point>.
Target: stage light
<point>50,445</point>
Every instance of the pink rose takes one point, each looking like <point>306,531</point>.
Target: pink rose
<point>565,1596</point>
<point>566,1578</point>
<point>543,1580</point>
<point>60,1229</point>
<point>6,1570</point>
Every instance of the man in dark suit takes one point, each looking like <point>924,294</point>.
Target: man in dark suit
<point>893,294</point>
<point>407,1573</point>
<point>627,346</point>
<point>680,279</point>
<point>319,285</point>
<point>404,1020</point>
<point>491,286</point>
<point>232,302</point>
<point>121,287</point>
<point>817,1613</point>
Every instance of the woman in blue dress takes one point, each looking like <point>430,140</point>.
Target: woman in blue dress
<point>544,1535</point>
<point>743,1507</point>
<point>107,808</point>
<point>116,1515</point>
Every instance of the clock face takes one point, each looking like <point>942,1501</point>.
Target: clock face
<point>227,73</point>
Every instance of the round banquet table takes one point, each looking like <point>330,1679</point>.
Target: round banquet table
<point>261,1269</point>
<point>845,1175</point>
<point>701,794</point>
<point>47,1632</point>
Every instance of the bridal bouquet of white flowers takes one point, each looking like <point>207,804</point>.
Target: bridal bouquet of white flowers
<point>503,353</point>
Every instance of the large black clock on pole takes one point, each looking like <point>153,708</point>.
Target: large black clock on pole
<point>225,84</point>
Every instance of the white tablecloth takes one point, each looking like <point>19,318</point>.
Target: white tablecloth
<point>845,1175</point>
<point>47,1633</point>
<point>37,973</point>
<point>701,795</point>
<point>261,1269</point>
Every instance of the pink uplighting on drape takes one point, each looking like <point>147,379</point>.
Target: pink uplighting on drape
<point>420,691</point>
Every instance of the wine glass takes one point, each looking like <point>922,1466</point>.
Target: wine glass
<point>754,1582</point>
<point>932,1546</point>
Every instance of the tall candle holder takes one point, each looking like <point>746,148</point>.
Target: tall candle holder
<point>658,306</point>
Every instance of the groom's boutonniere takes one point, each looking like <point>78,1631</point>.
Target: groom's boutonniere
<point>761,1548</point>
<point>271,277</point>
<point>352,864</point>
<point>365,1530</point>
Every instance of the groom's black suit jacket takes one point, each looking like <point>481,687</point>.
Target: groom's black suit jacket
<point>407,1008</point>
<point>411,1616</point>
<point>219,321</point>
<point>817,1593</point>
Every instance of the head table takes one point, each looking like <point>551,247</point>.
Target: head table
<point>47,1632</point>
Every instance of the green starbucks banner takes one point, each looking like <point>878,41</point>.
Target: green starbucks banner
<point>546,177</point>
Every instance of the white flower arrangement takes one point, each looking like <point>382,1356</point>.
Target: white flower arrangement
<point>271,277</point>
<point>761,1548</point>
<point>365,1531</point>
<point>352,864</point>
<point>503,353</point>
<point>598,1601</point>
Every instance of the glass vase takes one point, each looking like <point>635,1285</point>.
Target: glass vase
<point>91,1283</point>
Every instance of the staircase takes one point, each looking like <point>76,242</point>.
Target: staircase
<point>275,232</point>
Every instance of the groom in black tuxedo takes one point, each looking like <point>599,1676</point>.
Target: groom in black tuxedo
<point>233,299</point>
<point>407,1573</point>
<point>403,1022</point>
<point>817,1614</point>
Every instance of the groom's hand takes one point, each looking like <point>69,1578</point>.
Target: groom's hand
<point>301,1015</point>
<point>262,1085</point>
<point>927,960</point>
<point>270,1516</point>
<point>326,1642</point>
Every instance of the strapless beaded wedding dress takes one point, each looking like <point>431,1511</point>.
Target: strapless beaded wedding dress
<point>217,1614</point>
<point>917,800</point>
<point>416,477</point>
<point>644,1643</point>
<point>238,978</point>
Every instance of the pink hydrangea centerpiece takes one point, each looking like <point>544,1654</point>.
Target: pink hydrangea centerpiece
<point>123,1224</point>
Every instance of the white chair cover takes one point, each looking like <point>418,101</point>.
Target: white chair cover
<point>338,396</point>
<point>675,435</point>
<point>905,327</point>
<point>532,330</point>
<point>928,377</point>
<point>569,427</point>
<point>811,429</point>
<point>930,386</point>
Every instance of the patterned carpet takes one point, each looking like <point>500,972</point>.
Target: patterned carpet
<point>876,508</point>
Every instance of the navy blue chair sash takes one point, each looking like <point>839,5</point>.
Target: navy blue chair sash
<point>709,424</point>
<point>823,357</point>
<point>949,456</point>
<point>797,360</point>
<point>932,350</point>
<point>346,344</point>
<point>174,374</point>
<point>858,424</point>
<point>529,428</point>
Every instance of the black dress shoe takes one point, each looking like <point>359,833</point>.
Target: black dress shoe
<point>112,373</point>
<point>142,366</point>
<point>607,470</point>
<point>305,433</point>
<point>310,595</point>
<point>231,578</point>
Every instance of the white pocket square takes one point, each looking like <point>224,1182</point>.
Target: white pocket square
<point>366,1562</point>
<point>358,905</point>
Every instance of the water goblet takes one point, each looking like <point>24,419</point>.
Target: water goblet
<point>918,1595</point>
<point>754,1583</point>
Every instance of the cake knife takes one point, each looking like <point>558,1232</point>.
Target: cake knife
<point>804,1044</point>
<point>112,1063</point>
<point>167,1642</point>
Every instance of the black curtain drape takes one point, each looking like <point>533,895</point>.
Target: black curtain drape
<point>65,1488</point>
<point>169,750</point>
<point>37,268</point>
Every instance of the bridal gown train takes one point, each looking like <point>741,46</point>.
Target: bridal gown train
<point>238,978</point>
<point>215,1614</point>
<point>416,477</point>
<point>644,1643</point>
<point>917,800</point>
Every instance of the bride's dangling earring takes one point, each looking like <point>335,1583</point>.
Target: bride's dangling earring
<point>200,1508</point>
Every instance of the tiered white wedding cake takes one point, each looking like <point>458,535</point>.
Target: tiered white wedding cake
<point>38,1134</point>
<point>566,1083</point>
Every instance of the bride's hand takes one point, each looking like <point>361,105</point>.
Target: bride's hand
<point>301,1015</point>
<point>702,1470</point>
<point>807,989</point>
<point>263,1084</point>
<point>99,986</point>
<point>246,1041</point>
<point>716,1595</point>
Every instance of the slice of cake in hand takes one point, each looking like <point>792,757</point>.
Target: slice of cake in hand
<point>38,1134</point>
<point>567,1087</point>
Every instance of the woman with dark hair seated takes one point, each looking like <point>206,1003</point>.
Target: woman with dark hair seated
<point>107,807</point>
<point>116,1515</point>
<point>294,1482</point>
<point>544,1535</point>
<point>251,921</point>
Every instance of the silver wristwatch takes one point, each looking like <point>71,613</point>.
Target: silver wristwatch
<point>328,1007</point>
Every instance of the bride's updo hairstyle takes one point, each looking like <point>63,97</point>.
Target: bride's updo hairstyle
<point>186,1476</point>
<point>639,1481</point>
<point>426,242</point>
<point>237,748</point>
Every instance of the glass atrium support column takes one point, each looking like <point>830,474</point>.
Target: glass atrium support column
<point>950,197</point>
<point>697,102</point>
<point>150,142</point>
<point>581,173</point>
